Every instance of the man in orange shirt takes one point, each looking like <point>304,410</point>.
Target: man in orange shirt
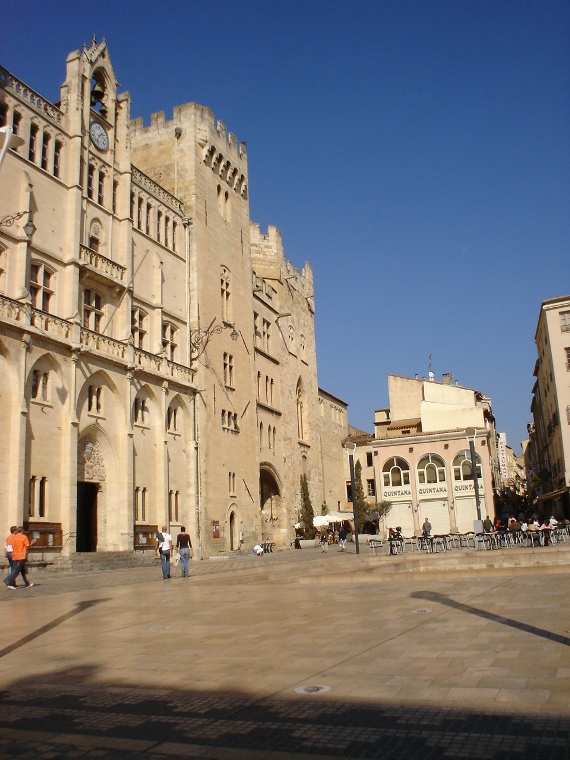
<point>20,545</point>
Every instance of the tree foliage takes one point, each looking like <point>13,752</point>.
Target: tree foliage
<point>307,513</point>
<point>382,508</point>
<point>360,501</point>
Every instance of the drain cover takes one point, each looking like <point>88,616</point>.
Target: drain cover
<point>420,612</point>
<point>312,689</point>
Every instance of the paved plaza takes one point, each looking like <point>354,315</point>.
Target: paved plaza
<point>291,655</point>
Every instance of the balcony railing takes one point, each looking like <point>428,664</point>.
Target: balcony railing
<point>72,333</point>
<point>149,361</point>
<point>179,371</point>
<point>103,343</point>
<point>55,326</point>
<point>15,310</point>
<point>101,263</point>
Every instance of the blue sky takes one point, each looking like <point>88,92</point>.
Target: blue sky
<point>416,153</point>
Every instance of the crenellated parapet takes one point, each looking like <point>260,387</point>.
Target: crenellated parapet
<point>220,150</point>
<point>269,261</point>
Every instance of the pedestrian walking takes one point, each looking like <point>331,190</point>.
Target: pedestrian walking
<point>324,540</point>
<point>426,528</point>
<point>164,547</point>
<point>184,546</point>
<point>342,539</point>
<point>20,546</point>
<point>11,563</point>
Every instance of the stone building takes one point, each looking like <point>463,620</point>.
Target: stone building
<point>422,460</point>
<point>157,351</point>
<point>334,428</point>
<point>548,450</point>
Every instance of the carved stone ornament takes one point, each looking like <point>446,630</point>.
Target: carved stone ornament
<point>90,462</point>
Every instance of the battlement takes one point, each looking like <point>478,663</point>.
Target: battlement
<point>268,249</point>
<point>209,130</point>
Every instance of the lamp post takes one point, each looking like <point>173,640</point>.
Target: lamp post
<point>199,339</point>
<point>353,490</point>
<point>471,434</point>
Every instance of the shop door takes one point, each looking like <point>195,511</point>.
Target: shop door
<point>438,515</point>
<point>401,515</point>
<point>465,514</point>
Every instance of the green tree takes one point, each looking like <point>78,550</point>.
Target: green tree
<point>360,501</point>
<point>307,513</point>
<point>382,508</point>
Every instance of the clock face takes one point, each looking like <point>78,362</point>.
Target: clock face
<point>99,136</point>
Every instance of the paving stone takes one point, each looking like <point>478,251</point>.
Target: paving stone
<point>92,666</point>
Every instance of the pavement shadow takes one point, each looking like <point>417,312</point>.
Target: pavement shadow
<point>77,610</point>
<point>125,721</point>
<point>432,596</point>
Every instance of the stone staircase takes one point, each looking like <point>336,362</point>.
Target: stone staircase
<point>85,562</point>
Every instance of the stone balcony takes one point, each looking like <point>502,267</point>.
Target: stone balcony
<point>101,267</point>
<point>24,316</point>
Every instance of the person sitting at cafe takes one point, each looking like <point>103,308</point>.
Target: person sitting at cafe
<point>547,531</point>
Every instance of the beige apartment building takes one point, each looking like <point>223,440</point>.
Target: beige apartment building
<point>548,451</point>
<point>157,350</point>
<point>334,430</point>
<point>421,455</point>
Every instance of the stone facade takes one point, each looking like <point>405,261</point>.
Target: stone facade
<point>333,415</point>
<point>157,351</point>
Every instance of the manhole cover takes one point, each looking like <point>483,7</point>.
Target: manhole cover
<point>159,628</point>
<point>312,689</point>
<point>420,612</point>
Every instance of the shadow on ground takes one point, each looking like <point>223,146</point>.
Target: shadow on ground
<point>70,704</point>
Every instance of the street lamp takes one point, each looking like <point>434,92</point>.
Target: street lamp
<point>199,339</point>
<point>471,434</point>
<point>353,490</point>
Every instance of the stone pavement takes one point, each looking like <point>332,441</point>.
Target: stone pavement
<point>292,655</point>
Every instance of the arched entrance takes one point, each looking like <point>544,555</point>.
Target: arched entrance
<point>270,501</point>
<point>90,477</point>
<point>234,532</point>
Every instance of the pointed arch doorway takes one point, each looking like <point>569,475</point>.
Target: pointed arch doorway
<point>91,476</point>
<point>234,532</point>
<point>271,502</point>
